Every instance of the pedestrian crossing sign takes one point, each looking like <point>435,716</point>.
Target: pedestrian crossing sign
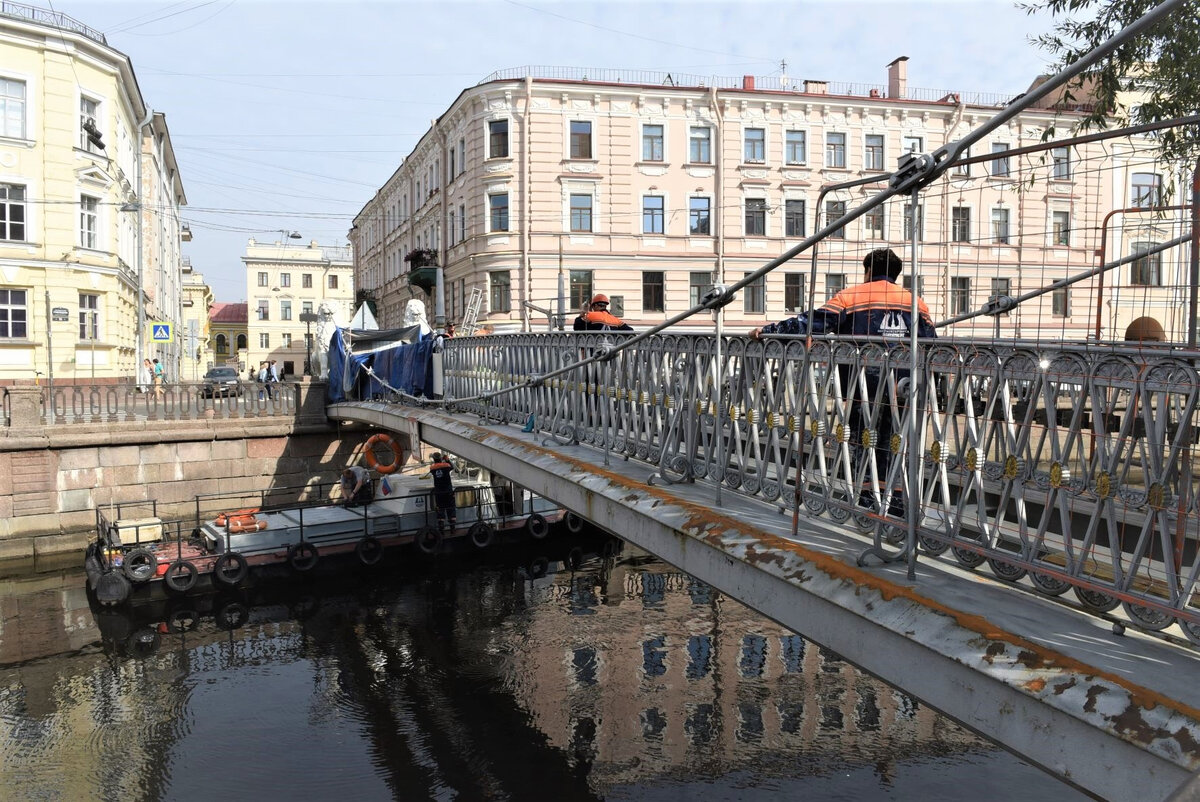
<point>162,332</point>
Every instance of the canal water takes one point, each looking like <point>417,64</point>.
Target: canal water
<point>573,669</point>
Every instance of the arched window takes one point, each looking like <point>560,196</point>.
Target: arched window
<point>241,342</point>
<point>222,344</point>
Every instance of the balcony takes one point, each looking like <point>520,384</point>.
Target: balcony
<point>422,269</point>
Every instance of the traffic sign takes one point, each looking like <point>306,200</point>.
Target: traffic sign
<point>161,332</point>
<point>60,314</point>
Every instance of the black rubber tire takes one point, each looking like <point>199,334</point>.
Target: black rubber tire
<point>369,550</point>
<point>230,569</point>
<point>537,526</point>
<point>303,556</point>
<point>231,615</point>
<point>180,576</point>
<point>185,619</point>
<point>112,588</point>
<point>575,558</point>
<point>482,534</point>
<point>537,567</point>
<point>573,523</point>
<point>428,540</point>
<point>143,642</point>
<point>139,566</point>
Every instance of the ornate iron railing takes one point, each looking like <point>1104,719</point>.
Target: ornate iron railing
<point>101,403</point>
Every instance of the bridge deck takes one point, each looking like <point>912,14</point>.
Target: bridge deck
<point>1118,715</point>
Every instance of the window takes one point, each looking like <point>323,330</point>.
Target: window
<point>462,155</point>
<point>1060,227</point>
<point>999,163</point>
<point>616,305</point>
<point>754,296</point>
<point>581,140</point>
<point>1000,226</point>
<point>451,166</point>
<point>264,280</point>
<point>241,342</point>
<point>756,217</point>
<point>222,344</point>
<point>652,143</point>
<point>1060,302</point>
<point>960,295</point>
<point>700,145</point>
<point>333,282</point>
<point>1001,286</point>
<point>834,283</point>
<point>652,291</point>
<point>960,224</point>
<point>462,222</point>
<point>835,150</point>
<point>581,289</point>
<point>755,151</point>
<point>793,292</point>
<point>13,314</point>
<point>1060,164</point>
<point>581,212</point>
<point>873,152</point>
<point>1146,190</point>
<point>285,279</point>
<point>306,307</point>
<point>912,144</point>
<point>12,108</point>
<point>12,212</point>
<point>793,218</point>
<point>89,316</point>
<point>500,291</point>
<point>873,223</point>
<point>1146,271</point>
<point>287,342</point>
<point>452,228</point>
<point>89,213</point>
<point>698,216</point>
<point>264,340</point>
<point>698,284</point>
<point>497,139</point>
<point>795,147</point>
<point>960,168</point>
<point>652,214</point>
<point>89,110</point>
<point>264,310</point>
<point>833,211</point>
<point>498,212</point>
<point>285,310</point>
<point>907,222</point>
<point>907,284</point>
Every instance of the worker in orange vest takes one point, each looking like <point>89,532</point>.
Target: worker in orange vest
<point>598,318</point>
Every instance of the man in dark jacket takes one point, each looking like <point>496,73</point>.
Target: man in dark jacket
<point>879,308</point>
<point>443,490</point>
<point>598,318</point>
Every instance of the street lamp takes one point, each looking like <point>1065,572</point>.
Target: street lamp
<point>308,318</point>
<point>289,234</point>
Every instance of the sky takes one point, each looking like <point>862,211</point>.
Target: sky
<point>288,116</point>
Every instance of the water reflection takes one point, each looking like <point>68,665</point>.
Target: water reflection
<point>563,670</point>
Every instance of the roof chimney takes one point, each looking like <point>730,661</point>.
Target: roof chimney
<point>816,87</point>
<point>748,82</point>
<point>898,77</point>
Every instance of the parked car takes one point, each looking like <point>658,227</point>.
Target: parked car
<point>221,381</point>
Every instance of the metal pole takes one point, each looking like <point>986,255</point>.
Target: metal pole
<point>1194,289</point>
<point>49,357</point>
<point>912,453</point>
<point>719,418</point>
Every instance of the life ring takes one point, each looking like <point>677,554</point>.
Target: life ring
<point>482,534</point>
<point>368,550</point>
<point>224,518</point>
<point>373,462</point>
<point>573,522</point>
<point>303,556</point>
<point>230,569</point>
<point>537,526</point>
<point>140,565</point>
<point>246,523</point>
<point>180,576</point>
<point>428,540</point>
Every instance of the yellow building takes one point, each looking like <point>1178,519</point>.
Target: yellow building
<point>284,282</point>
<point>89,209</point>
<point>196,355</point>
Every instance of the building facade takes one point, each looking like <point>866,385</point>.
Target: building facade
<point>549,184</point>
<point>285,281</point>
<point>89,209</point>
<point>196,355</point>
<point>229,339</point>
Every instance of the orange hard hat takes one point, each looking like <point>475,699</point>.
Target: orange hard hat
<point>599,298</point>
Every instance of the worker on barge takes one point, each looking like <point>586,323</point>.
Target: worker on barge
<point>357,487</point>
<point>443,490</point>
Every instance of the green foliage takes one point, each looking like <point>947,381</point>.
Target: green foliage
<point>1162,66</point>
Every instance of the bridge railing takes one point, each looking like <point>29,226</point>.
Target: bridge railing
<point>1074,463</point>
<point>99,403</point>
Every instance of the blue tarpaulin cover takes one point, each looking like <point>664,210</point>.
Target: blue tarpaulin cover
<point>403,358</point>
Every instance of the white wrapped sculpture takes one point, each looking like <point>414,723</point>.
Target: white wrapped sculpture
<point>327,324</point>
<point>414,315</point>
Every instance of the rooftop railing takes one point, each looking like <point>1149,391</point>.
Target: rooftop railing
<point>52,18</point>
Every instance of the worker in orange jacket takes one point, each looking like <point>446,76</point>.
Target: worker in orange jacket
<point>598,318</point>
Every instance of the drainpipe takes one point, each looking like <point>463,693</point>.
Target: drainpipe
<point>527,214</point>
<point>716,218</point>
<point>1194,277</point>
<point>141,289</point>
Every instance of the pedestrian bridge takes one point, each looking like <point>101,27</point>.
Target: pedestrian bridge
<point>767,469</point>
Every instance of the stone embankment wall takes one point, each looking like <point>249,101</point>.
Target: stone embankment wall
<point>53,478</point>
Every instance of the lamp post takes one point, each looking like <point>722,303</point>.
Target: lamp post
<point>136,206</point>
<point>308,318</point>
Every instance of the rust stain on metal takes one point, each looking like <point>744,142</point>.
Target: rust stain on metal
<point>1036,685</point>
<point>1093,693</point>
<point>714,528</point>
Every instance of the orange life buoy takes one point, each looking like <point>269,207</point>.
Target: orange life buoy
<point>373,462</point>
<point>225,517</point>
<point>246,523</point>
